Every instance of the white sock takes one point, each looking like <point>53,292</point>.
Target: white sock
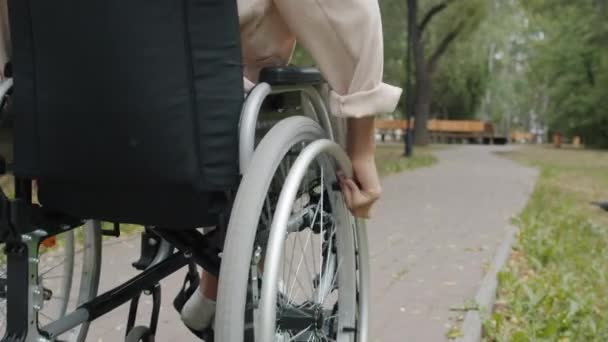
<point>198,312</point>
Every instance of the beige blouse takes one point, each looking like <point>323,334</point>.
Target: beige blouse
<point>344,37</point>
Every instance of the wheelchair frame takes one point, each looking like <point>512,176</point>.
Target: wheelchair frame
<point>23,225</point>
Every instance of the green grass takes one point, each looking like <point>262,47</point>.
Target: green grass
<point>555,286</point>
<point>389,158</point>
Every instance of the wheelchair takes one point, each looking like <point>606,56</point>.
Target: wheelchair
<point>134,113</point>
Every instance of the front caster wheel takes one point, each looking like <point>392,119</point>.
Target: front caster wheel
<point>140,334</point>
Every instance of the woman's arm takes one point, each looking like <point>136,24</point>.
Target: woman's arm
<point>365,189</point>
<point>344,37</point>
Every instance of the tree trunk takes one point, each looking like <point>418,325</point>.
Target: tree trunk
<point>422,110</point>
<point>422,101</point>
<point>425,68</point>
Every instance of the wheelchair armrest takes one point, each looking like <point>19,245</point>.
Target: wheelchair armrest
<point>290,76</point>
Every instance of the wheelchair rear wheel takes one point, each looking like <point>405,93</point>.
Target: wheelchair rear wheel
<point>56,264</point>
<point>67,259</point>
<point>301,277</point>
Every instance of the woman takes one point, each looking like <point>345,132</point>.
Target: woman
<point>344,37</point>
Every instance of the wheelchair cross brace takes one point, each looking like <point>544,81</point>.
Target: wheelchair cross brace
<point>112,299</point>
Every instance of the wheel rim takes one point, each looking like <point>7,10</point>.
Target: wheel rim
<point>314,282</point>
<point>89,276</point>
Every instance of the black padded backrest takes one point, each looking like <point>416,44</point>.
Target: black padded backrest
<point>126,95</point>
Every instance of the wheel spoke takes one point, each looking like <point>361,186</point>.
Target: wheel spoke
<point>293,338</point>
<point>298,269</point>
<point>321,223</point>
<point>57,265</point>
<point>290,273</point>
<point>51,277</point>
<point>53,267</point>
<point>326,269</point>
<point>333,282</point>
<point>329,317</point>
<point>295,294</point>
<point>268,211</point>
<point>308,239</point>
<point>306,262</point>
<point>45,316</point>
<point>314,258</point>
<point>327,338</point>
<point>333,275</point>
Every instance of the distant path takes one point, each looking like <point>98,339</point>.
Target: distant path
<point>432,232</point>
<point>431,235</point>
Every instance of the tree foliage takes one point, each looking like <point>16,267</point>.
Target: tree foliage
<point>521,64</point>
<point>570,65</point>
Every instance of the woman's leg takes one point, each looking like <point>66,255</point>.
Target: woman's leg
<point>209,285</point>
<point>199,310</point>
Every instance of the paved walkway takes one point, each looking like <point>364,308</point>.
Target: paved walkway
<point>433,232</point>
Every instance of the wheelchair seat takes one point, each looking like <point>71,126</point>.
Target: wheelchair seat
<point>128,111</point>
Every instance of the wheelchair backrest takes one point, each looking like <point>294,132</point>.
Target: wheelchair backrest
<point>127,94</point>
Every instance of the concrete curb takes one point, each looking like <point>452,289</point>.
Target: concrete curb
<point>471,327</point>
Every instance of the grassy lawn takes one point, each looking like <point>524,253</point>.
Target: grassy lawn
<point>389,158</point>
<point>555,286</point>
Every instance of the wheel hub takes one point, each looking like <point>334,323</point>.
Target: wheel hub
<point>298,319</point>
<point>47,294</point>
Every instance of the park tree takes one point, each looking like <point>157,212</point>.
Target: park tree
<point>437,25</point>
<point>569,66</point>
<point>506,40</point>
<point>545,65</point>
<point>440,25</point>
<point>517,63</point>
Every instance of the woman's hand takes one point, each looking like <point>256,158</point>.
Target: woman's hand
<point>364,189</point>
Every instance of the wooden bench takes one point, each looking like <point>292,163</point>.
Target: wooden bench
<point>447,131</point>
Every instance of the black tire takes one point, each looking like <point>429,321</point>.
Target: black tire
<point>140,334</point>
